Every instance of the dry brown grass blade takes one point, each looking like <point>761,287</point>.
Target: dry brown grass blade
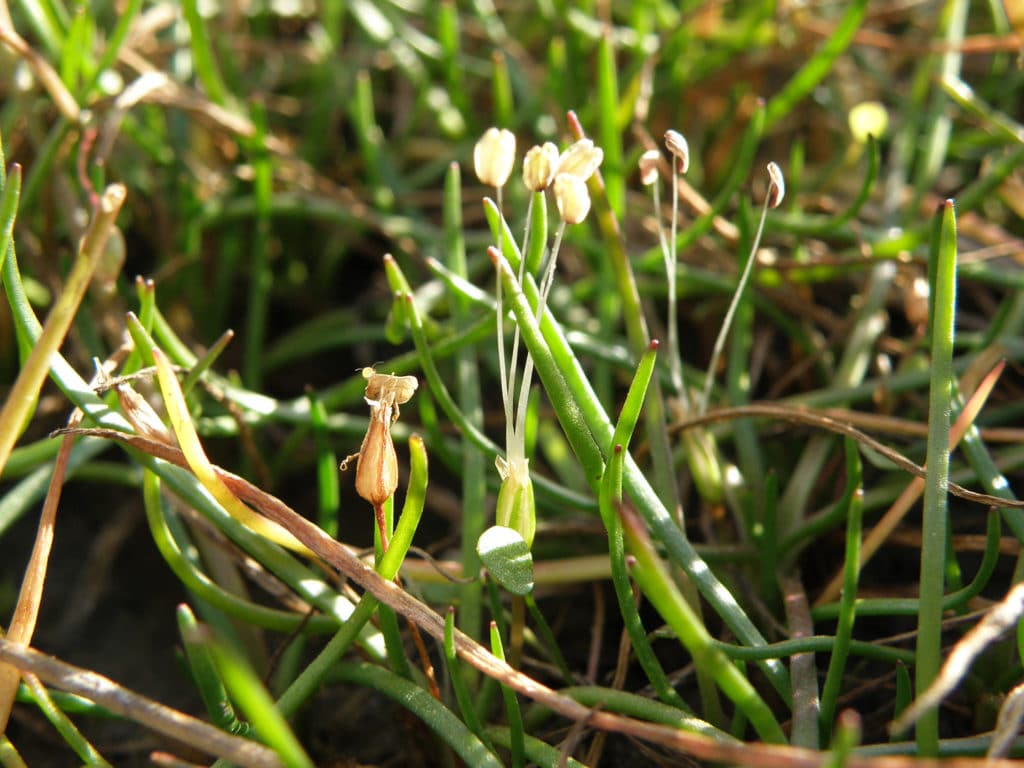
<point>140,709</point>
<point>40,67</point>
<point>26,610</point>
<point>337,555</point>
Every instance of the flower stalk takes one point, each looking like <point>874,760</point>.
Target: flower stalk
<point>566,175</point>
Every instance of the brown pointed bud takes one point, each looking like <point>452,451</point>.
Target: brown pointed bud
<point>581,159</point>
<point>540,166</point>
<point>776,185</point>
<point>494,155</point>
<point>649,162</point>
<point>377,469</point>
<point>679,148</point>
<point>572,198</point>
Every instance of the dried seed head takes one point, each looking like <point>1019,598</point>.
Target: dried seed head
<point>649,162</point>
<point>494,155</point>
<point>581,159</point>
<point>377,468</point>
<point>540,166</point>
<point>572,198</point>
<point>677,145</point>
<point>776,185</point>
<point>387,389</point>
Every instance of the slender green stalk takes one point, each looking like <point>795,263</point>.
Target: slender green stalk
<point>455,673</point>
<point>255,701</point>
<point>204,588</point>
<point>536,751</point>
<point>204,673</point>
<point>934,524</point>
<point>851,573</point>
<point>202,54</point>
<point>550,642</point>
<point>938,122</point>
<point>723,332</point>
<point>10,192</point>
<point>610,497</point>
<point>329,495</point>
<point>467,374</point>
<point>86,752</point>
<point>9,755</point>
<point>441,720</point>
<point>610,124</point>
<point>512,711</point>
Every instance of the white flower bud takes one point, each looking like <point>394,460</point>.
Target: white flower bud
<point>649,162</point>
<point>493,156</point>
<point>581,159</point>
<point>540,166</point>
<point>572,198</point>
<point>776,185</point>
<point>677,145</point>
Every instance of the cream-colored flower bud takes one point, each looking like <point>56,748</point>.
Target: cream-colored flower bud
<point>677,145</point>
<point>572,198</point>
<point>540,166</point>
<point>581,159</point>
<point>494,155</point>
<point>776,185</point>
<point>649,162</point>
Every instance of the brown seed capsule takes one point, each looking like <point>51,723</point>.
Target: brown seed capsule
<point>680,149</point>
<point>377,468</point>
<point>649,162</point>
<point>776,185</point>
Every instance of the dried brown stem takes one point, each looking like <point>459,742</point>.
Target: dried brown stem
<point>140,709</point>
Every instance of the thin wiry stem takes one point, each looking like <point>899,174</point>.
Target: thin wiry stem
<point>668,251</point>
<point>549,272</point>
<point>723,332</point>
<point>503,369</point>
<point>528,366</point>
<point>545,289</point>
